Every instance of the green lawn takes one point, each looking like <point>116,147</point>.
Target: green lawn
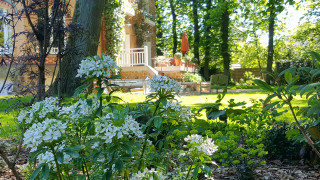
<point>9,114</point>
<point>9,121</point>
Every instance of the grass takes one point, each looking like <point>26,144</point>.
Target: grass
<point>9,121</point>
<point>9,114</point>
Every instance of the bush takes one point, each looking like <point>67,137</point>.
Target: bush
<point>192,77</point>
<point>278,146</point>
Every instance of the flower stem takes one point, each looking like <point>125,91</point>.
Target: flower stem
<point>56,161</point>
<point>189,170</point>
<point>146,137</point>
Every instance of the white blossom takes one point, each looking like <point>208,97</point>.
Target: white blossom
<point>180,112</point>
<point>79,110</point>
<point>48,157</point>
<point>47,131</point>
<point>97,67</point>
<point>158,83</point>
<point>39,111</point>
<point>107,129</point>
<point>198,143</point>
<point>147,174</point>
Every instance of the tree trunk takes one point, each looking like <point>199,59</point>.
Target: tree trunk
<point>174,26</point>
<point>225,20</point>
<point>196,31</point>
<point>270,45</point>
<point>82,44</point>
<point>207,47</point>
<point>159,30</point>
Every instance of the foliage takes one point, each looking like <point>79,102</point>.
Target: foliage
<point>177,55</point>
<point>98,138</point>
<point>278,146</point>
<point>286,93</point>
<point>192,77</point>
<point>114,17</point>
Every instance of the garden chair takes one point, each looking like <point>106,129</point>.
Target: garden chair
<point>218,81</point>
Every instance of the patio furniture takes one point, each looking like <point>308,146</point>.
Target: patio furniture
<point>218,81</point>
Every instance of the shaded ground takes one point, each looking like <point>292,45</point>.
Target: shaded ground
<point>275,170</point>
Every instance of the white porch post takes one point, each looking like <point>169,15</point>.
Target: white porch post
<point>146,55</point>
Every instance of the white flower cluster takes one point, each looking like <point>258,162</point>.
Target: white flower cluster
<point>200,144</point>
<point>48,158</point>
<point>39,110</point>
<point>79,110</point>
<point>147,174</point>
<point>158,83</point>
<point>182,112</point>
<point>46,131</point>
<point>108,130</point>
<point>94,67</point>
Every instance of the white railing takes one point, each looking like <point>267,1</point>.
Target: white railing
<point>134,56</point>
<point>5,50</point>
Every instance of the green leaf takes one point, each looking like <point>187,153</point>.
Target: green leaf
<point>314,109</point>
<point>271,105</point>
<point>127,148</point>
<point>164,102</point>
<point>263,85</point>
<point>315,56</point>
<point>60,157</point>
<point>73,154</point>
<point>119,165</point>
<point>45,171</point>
<point>80,89</point>
<point>89,102</point>
<point>195,172</point>
<point>215,114</point>
<point>269,98</point>
<point>36,172</point>
<point>315,73</point>
<point>291,70</point>
<point>99,94</point>
<point>288,77</point>
<point>98,111</point>
<point>308,87</point>
<point>268,73</point>
<point>157,122</point>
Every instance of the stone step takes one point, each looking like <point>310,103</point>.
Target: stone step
<point>136,90</point>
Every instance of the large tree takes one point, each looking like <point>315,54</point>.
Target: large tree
<point>173,7</point>
<point>87,17</point>
<point>207,39</point>
<point>274,8</point>
<point>196,43</point>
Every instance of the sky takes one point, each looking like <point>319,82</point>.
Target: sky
<point>291,18</point>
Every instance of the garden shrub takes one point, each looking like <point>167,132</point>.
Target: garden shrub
<point>192,77</point>
<point>278,146</point>
<point>96,138</point>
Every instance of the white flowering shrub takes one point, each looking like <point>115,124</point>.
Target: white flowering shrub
<point>176,112</point>
<point>39,111</point>
<point>97,67</point>
<point>163,84</point>
<point>147,174</point>
<point>95,138</point>
<point>108,129</point>
<point>45,132</point>
<point>197,144</point>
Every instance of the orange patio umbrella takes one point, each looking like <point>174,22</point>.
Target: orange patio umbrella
<point>184,43</point>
